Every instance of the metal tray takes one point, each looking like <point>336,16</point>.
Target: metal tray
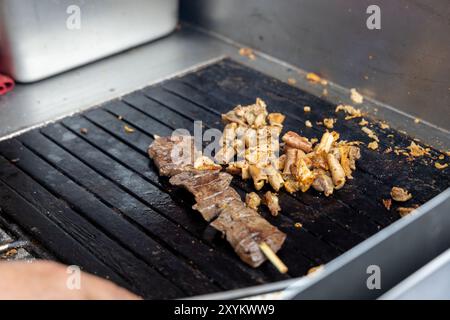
<point>42,38</point>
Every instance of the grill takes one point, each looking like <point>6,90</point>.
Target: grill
<point>86,191</point>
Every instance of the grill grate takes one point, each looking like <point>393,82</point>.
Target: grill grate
<point>95,199</point>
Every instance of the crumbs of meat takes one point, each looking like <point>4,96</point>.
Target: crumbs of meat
<point>250,148</point>
<point>400,194</point>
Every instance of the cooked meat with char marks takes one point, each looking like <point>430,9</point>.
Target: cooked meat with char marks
<point>210,207</point>
<point>210,189</point>
<point>245,229</point>
<point>173,154</point>
<point>202,184</point>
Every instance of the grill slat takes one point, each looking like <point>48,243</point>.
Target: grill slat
<point>96,200</point>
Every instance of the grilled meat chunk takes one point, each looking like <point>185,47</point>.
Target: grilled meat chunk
<point>296,141</point>
<point>400,194</point>
<point>252,200</point>
<point>245,229</point>
<point>323,183</point>
<point>210,189</point>
<point>271,201</point>
<point>173,154</point>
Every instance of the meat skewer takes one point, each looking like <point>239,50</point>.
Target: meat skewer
<point>218,203</point>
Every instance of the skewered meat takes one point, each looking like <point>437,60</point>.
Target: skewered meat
<point>202,184</point>
<point>242,226</point>
<point>245,229</point>
<point>173,154</point>
<point>210,207</point>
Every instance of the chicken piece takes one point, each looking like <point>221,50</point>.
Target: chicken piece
<point>304,176</point>
<point>252,200</point>
<point>260,120</point>
<point>228,135</point>
<point>225,155</point>
<point>400,194</point>
<point>337,172</point>
<point>291,185</point>
<point>323,183</point>
<point>205,163</point>
<point>239,168</point>
<point>251,138</point>
<point>280,162</point>
<point>354,153</point>
<point>292,155</point>
<point>250,118</point>
<point>231,117</point>
<point>276,119</point>
<point>325,143</point>
<point>345,160</point>
<point>296,141</point>
<point>336,153</point>
<point>271,201</point>
<point>275,178</point>
<point>318,160</point>
<point>258,175</point>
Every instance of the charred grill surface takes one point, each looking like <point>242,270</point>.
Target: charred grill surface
<point>85,189</point>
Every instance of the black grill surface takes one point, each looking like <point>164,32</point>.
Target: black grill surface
<point>94,198</point>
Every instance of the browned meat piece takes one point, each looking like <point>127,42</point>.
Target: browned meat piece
<point>210,207</point>
<point>245,229</point>
<point>353,155</point>
<point>400,194</point>
<point>252,200</point>
<point>323,183</point>
<point>202,184</point>
<point>173,155</point>
<point>294,140</point>
<point>210,189</point>
<point>271,201</point>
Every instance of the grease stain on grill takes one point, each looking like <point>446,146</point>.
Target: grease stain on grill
<point>96,200</point>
